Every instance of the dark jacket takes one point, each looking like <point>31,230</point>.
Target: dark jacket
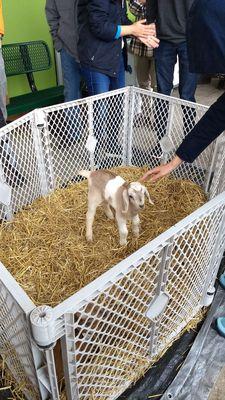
<point>62,19</point>
<point>170,17</point>
<point>206,37</point>
<point>98,21</point>
<point>206,46</point>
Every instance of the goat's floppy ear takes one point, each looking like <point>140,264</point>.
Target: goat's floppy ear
<point>125,200</point>
<point>147,195</point>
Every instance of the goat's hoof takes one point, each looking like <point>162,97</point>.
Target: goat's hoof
<point>109,215</point>
<point>136,234</point>
<point>123,242</point>
<point>89,238</point>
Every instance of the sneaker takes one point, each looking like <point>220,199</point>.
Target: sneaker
<point>13,177</point>
<point>140,157</point>
<point>220,326</point>
<point>222,280</point>
<point>114,151</point>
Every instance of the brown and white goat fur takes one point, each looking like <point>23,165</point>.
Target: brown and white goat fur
<point>111,190</point>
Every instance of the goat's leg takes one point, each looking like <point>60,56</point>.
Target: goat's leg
<point>89,222</point>
<point>108,211</point>
<point>93,203</point>
<point>123,231</point>
<point>136,225</point>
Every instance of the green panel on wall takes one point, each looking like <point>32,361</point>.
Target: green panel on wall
<point>25,21</point>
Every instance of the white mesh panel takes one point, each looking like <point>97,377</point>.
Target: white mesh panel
<point>15,344</point>
<point>218,183</point>
<point>113,340</point>
<point>110,334</point>
<point>187,273</point>
<point>18,163</point>
<point>69,128</point>
<point>156,116</point>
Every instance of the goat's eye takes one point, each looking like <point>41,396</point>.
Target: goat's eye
<point>130,196</point>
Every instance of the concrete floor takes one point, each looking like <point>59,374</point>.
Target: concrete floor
<point>207,94</point>
<point>218,391</point>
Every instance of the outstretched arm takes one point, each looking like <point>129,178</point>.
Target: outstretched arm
<point>210,126</point>
<point>162,170</point>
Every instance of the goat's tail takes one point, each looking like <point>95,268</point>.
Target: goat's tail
<point>85,173</point>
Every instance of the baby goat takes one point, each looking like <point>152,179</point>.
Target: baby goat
<point>127,199</point>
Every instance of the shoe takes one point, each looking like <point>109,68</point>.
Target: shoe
<point>222,280</point>
<point>113,149</point>
<point>156,151</point>
<point>106,156</point>
<point>140,157</point>
<point>220,326</point>
<point>13,177</point>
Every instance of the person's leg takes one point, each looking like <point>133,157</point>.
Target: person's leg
<point>153,74</point>
<point>6,154</point>
<point>143,71</point>
<point>165,60</point>
<point>187,80</point>
<point>71,130</point>
<point>3,87</point>
<point>119,81</point>
<point>187,87</point>
<point>96,82</point>
<point>8,160</point>
<point>2,119</point>
<point>71,76</point>
<point>115,114</point>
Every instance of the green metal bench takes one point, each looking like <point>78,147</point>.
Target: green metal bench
<point>27,58</point>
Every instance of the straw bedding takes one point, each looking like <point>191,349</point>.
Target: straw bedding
<point>45,247</point>
<point>46,251</point>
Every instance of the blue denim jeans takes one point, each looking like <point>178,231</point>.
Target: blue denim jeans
<point>165,60</point>
<point>71,80</point>
<point>98,82</point>
<point>105,127</point>
<point>71,76</point>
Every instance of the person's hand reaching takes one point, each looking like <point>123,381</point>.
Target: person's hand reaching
<point>162,170</point>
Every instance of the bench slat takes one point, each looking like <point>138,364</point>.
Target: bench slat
<point>29,101</point>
